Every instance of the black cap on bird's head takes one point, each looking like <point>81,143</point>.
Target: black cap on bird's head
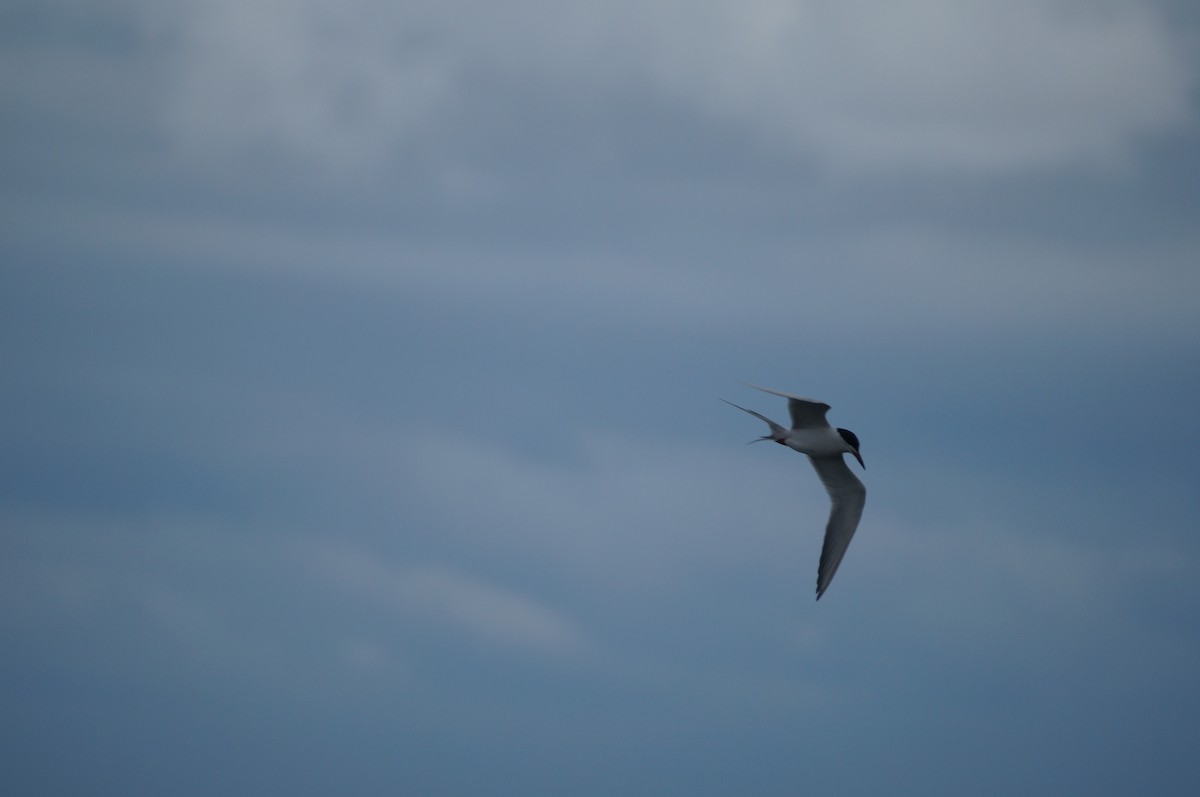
<point>852,440</point>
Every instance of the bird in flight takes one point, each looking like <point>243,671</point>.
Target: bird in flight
<point>811,434</point>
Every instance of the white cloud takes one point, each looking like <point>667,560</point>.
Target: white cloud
<point>922,278</point>
<point>977,86</point>
<point>340,85</point>
<point>444,595</point>
<point>977,584</point>
<point>365,656</point>
<point>626,522</point>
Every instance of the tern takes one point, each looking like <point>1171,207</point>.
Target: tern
<point>811,434</point>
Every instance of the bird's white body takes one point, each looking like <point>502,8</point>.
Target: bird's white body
<point>824,445</point>
<point>820,441</point>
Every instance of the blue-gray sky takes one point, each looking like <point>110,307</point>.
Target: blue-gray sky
<point>360,430</point>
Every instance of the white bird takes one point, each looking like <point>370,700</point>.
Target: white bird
<point>811,434</point>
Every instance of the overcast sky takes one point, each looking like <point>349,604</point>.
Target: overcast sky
<point>359,419</point>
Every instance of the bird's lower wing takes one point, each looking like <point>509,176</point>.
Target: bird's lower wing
<point>848,496</point>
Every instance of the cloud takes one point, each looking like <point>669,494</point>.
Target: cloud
<point>441,594</point>
<point>977,87</point>
<point>341,84</point>
<point>621,521</point>
<point>364,655</point>
<point>923,277</point>
<point>980,86</point>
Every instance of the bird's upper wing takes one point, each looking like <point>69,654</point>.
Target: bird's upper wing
<point>806,413</point>
<point>848,497</point>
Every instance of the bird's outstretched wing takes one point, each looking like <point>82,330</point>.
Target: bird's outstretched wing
<point>806,413</point>
<point>848,497</point>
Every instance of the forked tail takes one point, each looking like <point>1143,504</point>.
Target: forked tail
<point>778,433</point>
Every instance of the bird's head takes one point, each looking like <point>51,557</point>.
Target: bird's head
<point>852,440</point>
